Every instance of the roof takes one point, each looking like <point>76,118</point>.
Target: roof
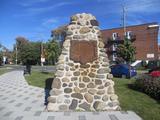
<point>152,23</point>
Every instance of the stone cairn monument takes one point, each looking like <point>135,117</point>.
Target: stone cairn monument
<point>83,81</point>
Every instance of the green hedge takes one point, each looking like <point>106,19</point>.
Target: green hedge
<point>149,85</point>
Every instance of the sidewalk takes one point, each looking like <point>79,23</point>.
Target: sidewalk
<point>20,101</point>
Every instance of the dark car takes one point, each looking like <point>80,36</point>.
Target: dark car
<point>123,70</point>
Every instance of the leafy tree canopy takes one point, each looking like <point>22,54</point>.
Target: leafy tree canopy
<point>52,51</point>
<point>126,51</point>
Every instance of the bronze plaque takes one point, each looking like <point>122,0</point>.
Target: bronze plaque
<point>83,51</point>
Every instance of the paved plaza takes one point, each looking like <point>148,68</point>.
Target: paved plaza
<point>20,101</point>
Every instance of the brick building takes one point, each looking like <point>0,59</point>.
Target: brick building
<point>144,37</point>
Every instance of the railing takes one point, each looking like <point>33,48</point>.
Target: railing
<point>112,48</point>
<point>116,40</point>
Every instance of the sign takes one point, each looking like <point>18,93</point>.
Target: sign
<point>83,51</point>
<point>42,59</point>
<point>150,55</point>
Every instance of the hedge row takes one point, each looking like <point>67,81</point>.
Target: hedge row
<point>149,85</point>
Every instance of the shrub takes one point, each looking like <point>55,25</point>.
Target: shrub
<point>149,85</point>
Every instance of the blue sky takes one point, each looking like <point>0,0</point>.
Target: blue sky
<point>34,19</point>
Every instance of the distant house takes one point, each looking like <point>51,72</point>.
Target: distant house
<point>144,37</point>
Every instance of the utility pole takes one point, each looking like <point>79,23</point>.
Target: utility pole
<point>124,19</point>
<point>16,53</point>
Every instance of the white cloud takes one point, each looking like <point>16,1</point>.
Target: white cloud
<point>27,3</point>
<point>50,21</point>
<point>148,6</point>
<point>38,10</point>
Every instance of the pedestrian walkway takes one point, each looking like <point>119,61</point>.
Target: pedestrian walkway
<point>20,101</point>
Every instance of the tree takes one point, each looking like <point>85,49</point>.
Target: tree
<point>31,53</point>
<point>59,33</point>
<point>20,43</point>
<point>52,51</point>
<point>27,51</point>
<point>1,55</point>
<point>1,58</point>
<point>126,51</point>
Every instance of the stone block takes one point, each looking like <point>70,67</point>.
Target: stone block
<point>52,99</point>
<point>74,78</point>
<point>63,107</point>
<point>64,85</point>
<point>105,98</point>
<point>99,106</point>
<point>100,92</point>
<point>109,76</point>
<point>113,97</point>
<point>85,106</point>
<point>84,73</point>
<point>88,97</point>
<point>91,85</point>
<point>65,79</point>
<point>55,92</point>
<point>100,76</point>
<point>77,73</point>
<point>84,90</point>
<point>91,74</point>
<point>67,90</point>
<point>86,79</point>
<point>98,82</point>
<point>56,83</point>
<point>92,91</point>
<point>77,95</point>
<point>82,85</point>
<point>73,105</point>
<point>84,30</point>
<point>76,90</point>
<point>59,74</point>
<point>94,22</point>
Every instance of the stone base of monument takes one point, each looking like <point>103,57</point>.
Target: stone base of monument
<point>83,81</point>
<point>114,115</point>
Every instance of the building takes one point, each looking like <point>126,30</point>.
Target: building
<point>159,52</point>
<point>144,37</point>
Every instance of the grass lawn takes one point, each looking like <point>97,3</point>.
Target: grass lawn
<point>3,70</point>
<point>142,104</point>
<point>38,78</point>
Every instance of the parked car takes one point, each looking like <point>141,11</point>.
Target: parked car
<point>154,64</point>
<point>155,72</point>
<point>123,70</point>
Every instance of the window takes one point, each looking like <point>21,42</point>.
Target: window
<point>114,47</point>
<point>128,34</point>
<point>114,36</point>
<point>114,56</point>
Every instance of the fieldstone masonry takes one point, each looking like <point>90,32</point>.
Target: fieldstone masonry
<point>83,81</point>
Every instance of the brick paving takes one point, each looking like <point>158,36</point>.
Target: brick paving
<point>20,101</point>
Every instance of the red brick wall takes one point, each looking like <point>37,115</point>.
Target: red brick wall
<point>146,39</point>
